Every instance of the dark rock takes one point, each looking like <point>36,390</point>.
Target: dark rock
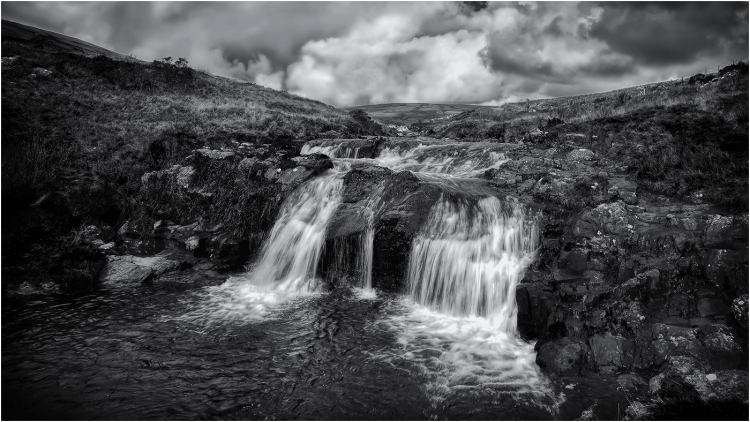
<point>134,270</point>
<point>604,219</point>
<point>727,269</point>
<point>623,189</point>
<point>575,261</point>
<point>533,310</point>
<point>563,356</point>
<point>672,388</point>
<point>723,346</point>
<point>740,310</point>
<point>631,382</point>
<point>318,163</point>
<point>721,233</point>
<point>608,352</point>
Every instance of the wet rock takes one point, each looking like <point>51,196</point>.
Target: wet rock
<point>563,356</point>
<point>653,282</point>
<point>227,251</point>
<point>723,346</point>
<point>317,163</point>
<point>727,269</point>
<point>740,310</point>
<point>604,219</point>
<point>130,269</point>
<point>623,189</point>
<point>611,353</point>
<point>580,154</point>
<point>631,382</point>
<point>215,154</point>
<point>575,261</point>
<point>711,306</point>
<point>533,310</point>
<point>721,233</point>
<point>673,388</point>
<point>670,340</point>
<point>108,248</point>
<point>295,175</point>
<point>248,163</point>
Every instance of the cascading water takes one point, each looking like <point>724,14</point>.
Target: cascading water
<point>469,258</point>
<point>290,257</point>
<point>459,322</point>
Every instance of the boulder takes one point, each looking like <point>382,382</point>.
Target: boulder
<point>605,219</point>
<point>723,346</point>
<point>611,353</point>
<point>727,269</point>
<point>721,233</point>
<point>580,155</point>
<point>534,308</point>
<point>128,269</point>
<point>740,310</point>
<point>671,340</point>
<point>563,356</point>
<point>623,189</point>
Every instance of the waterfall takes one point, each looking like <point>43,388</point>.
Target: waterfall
<point>364,258</point>
<point>290,256</point>
<point>289,260</point>
<point>468,259</point>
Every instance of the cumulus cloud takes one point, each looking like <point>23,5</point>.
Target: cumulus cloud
<point>368,53</point>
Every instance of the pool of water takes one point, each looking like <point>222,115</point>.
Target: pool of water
<point>140,353</point>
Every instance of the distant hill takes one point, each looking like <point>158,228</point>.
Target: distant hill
<point>411,113</point>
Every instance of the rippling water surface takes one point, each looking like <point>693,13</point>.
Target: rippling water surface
<point>349,354</point>
<point>274,344</point>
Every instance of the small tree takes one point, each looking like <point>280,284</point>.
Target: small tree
<point>167,60</point>
<point>181,62</point>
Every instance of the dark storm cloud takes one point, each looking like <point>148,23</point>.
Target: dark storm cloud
<point>473,6</point>
<point>360,53</point>
<point>673,33</point>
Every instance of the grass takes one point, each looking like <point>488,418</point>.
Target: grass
<point>678,138</point>
<point>87,126</point>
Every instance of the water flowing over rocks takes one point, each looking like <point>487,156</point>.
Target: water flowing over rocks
<point>615,282</point>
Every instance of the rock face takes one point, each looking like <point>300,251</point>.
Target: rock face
<point>128,269</point>
<point>219,204</point>
<point>624,282</point>
<point>647,285</point>
<point>563,356</point>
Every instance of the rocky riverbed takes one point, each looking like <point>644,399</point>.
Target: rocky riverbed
<point>626,285</point>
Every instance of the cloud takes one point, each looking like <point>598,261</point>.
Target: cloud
<point>673,33</point>
<point>348,53</point>
<point>380,62</point>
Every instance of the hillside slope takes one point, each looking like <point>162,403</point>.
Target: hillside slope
<point>683,137</point>
<point>411,113</point>
<point>82,124</point>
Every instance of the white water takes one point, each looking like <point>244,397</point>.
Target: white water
<point>289,261</point>
<point>458,324</point>
<point>469,258</point>
<point>457,160</point>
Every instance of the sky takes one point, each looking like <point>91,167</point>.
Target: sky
<point>360,53</point>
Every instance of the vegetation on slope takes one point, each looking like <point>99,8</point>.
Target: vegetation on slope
<point>677,138</point>
<point>79,130</point>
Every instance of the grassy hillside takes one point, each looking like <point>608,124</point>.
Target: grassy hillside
<point>677,138</point>
<point>81,125</point>
<point>415,113</point>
